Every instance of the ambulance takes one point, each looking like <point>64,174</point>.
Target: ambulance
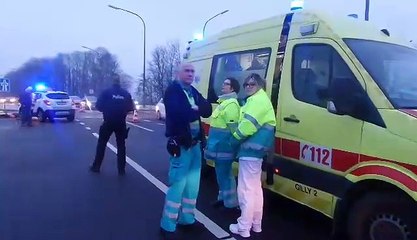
<point>345,95</point>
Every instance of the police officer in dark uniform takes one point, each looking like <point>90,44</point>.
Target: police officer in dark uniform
<point>115,103</point>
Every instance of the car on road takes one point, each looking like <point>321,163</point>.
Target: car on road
<point>89,102</point>
<point>76,101</point>
<point>53,104</point>
<point>160,109</point>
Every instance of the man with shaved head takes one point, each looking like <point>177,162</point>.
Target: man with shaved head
<point>184,108</point>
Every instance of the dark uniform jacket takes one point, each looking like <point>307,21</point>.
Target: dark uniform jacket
<point>115,103</point>
<point>179,113</point>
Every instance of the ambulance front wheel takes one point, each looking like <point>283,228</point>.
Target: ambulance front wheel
<point>381,216</point>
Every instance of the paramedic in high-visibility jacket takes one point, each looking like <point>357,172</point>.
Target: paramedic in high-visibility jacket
<point>223,124</point>
<point>184,107</point>
<point>253,137</point>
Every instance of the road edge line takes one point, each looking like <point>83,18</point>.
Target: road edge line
<point>144,128</point>
<point>210,225</point>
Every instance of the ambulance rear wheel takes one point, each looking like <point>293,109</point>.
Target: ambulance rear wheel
<point>381,216</point>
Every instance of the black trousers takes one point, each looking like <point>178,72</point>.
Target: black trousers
<point>26,115</point>
<point>106,130</point>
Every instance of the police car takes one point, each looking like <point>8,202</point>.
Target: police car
<point>53,104</point>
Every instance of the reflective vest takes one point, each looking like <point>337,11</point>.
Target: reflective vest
<point>223,123</point>
<point>256,128</point>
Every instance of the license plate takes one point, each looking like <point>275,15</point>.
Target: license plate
<point>62,113</point>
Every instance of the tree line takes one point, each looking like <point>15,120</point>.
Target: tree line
<point>88,73</point>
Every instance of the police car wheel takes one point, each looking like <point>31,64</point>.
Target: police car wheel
<point>71,118</point>
<point>380,216</point>
<point>41,116</point>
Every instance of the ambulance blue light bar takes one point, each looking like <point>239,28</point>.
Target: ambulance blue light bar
<point>297,5</point>
<point>40,87</point>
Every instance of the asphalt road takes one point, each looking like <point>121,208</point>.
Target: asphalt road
<point>47,192</point>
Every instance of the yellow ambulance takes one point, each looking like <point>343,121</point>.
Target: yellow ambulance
<point>345,94</point>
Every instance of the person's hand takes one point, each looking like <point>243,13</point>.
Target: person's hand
<point>195,108</point>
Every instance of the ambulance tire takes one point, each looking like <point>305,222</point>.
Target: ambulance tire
<point>382,210</point>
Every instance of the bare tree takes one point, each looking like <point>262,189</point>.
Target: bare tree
<point>161,70</point>
<point>174,58</point>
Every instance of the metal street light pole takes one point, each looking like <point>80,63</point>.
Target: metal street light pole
<point>144,46</point>
<point>204,28</point>
<point>85,59</point>
<point>367,10</point>
<point>91,50</point>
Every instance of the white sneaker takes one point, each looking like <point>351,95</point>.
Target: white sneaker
<point>234,228</point>
<point>257,228</point>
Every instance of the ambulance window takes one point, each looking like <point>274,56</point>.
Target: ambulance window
<point>314,66</point>
<point>238,65</point>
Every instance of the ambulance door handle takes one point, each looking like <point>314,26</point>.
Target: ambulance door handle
<point>292,119</point>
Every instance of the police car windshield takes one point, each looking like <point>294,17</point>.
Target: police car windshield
<point>57,96</point>
<point>393,68</point>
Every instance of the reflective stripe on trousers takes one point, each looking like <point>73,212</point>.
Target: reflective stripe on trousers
<point>216,155</point>
<point>184,181</point>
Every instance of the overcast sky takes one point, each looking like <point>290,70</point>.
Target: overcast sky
<point>30,28</point>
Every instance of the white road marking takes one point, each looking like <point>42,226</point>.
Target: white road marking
<point>82,123</point>
<point>77,120</point>
<point>161,124</point>
<point>215,229</point>
<point>144,128</point>
<point>146,120</point>
<point>88,128</point>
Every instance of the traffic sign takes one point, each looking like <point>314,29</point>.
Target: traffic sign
<point>4,85</point>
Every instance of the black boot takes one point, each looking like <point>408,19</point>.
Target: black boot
<point>94,169</point>
<point>168,235</point>
<point>217,203</point>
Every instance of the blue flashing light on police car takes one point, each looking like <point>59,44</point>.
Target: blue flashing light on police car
<point>40,87</point>
<point>297,5</point>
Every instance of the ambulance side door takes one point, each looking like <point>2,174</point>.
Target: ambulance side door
<point>317,144</point>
